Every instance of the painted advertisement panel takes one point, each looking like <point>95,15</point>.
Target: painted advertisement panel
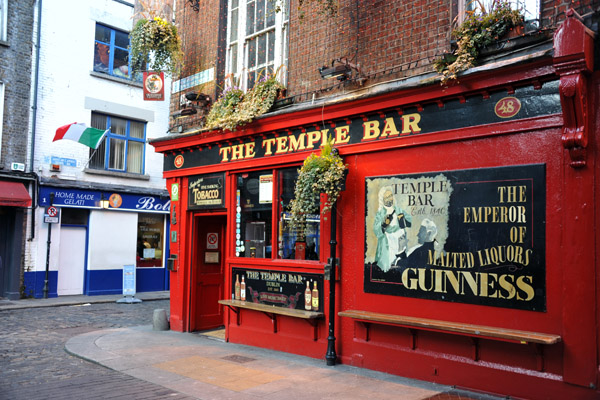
<point>471,236</point>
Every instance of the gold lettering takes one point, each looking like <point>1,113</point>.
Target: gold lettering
<point>410,123</point>
<point>297,144</point>
<point>281,145</point>
<point>341,134</point>
<point>389,129</point>
<point>250,150</point>
<point>370,130</point>
<point>269,144</point>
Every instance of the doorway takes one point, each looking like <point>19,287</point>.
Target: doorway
<point>71,260</point>
<point>208,277</point>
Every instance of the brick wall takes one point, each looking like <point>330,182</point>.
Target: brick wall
<point>15,74</point>
<point>387,39</point>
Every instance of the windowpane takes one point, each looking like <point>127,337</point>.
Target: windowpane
<point>234,25</point>
<point>150,240</point>
<point>121,39</point>
<point>271,51</point>
<point>250,17</point>
<point>103,33</point>
<point>135,157</point>
<point>234,59</point>
<point>270,13</point>
<point>262,49</point>
<point>116,159</point>
<point>118,126</point>
<point>251,79</point>
<point>136,130</point>
<point>101,57</point>
<point>254,224</point>
<point>260,15</point>
<point>120,63</point>
<point>74,216</point>
<point>295,243</point>
<point>252,54</point>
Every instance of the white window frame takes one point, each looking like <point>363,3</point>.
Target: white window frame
<point>3,20</point>
<point>280,29</point>
<point>532,8</point>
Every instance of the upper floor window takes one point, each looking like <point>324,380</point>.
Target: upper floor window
<point>257,39</point>
<point>123,148</point>
<point>3,19</point>
<point>111,53</point>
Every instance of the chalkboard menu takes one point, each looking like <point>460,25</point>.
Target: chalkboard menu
<point>278,288</point>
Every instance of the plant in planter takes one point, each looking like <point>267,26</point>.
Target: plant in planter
<point>480,28</point>
<point>154,42</point>
<point>234,108</point>
<point>324,173</point>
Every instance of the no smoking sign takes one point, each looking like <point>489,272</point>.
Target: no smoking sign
<point>212,241</point>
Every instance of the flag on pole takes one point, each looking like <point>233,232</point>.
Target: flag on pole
<point>90,137</point>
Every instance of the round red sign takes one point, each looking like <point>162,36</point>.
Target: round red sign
<point>179,161</point>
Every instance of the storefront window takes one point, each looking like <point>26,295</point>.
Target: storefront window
<point>150,240</point>
<point>254,201</point>
<point>294,244</point>
<point>254,218</point>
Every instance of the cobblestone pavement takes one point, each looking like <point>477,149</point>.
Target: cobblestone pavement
<point>34,364</point>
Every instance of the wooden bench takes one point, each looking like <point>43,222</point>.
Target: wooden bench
<point>475,332</point>
<point>272,312</point>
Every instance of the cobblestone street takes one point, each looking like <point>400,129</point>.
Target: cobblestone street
<point>34,364</point>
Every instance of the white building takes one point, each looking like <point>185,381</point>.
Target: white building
<point>83,77</point>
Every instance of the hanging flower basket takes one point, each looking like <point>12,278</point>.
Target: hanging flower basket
<point>324,173</point>
<point>155,46</point>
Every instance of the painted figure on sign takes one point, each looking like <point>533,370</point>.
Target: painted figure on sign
<point>418,255</point>
<point>390,224</point>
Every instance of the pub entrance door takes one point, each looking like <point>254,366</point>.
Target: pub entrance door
<point>208,276</point>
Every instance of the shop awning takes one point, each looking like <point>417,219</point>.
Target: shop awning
<point>14,194</point>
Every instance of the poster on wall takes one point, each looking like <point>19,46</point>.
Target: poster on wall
<point>206,191</point>
<point>470,236</point>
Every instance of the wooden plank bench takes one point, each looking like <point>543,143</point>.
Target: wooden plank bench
<point>272,312</point>
<point>475,332</point>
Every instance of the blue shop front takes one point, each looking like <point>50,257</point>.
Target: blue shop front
<point>85,237</point>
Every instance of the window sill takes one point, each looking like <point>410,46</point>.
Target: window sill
<point>117,174</point>
<point>116,79</point>
<point>4,43</point>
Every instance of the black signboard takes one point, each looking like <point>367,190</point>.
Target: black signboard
<point>206,191</point>
<point>471,236</point>
<point>398,123</point>
<point>278,288</point>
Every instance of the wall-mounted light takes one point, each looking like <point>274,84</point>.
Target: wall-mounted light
<point>192,102</point>
<point>342,69</point>
<point>103,202</point>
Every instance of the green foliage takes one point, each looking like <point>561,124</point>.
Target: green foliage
<point>480,28</point>
<point>156,43</point>
<point>324,173</point>
<point>234,108</point>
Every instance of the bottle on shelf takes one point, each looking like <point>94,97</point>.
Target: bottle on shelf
<point>237,287</point>
<point>243,290</point>
<point>307,297</point>
<point>315,298</point>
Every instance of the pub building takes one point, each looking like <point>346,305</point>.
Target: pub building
<point>488,281</point>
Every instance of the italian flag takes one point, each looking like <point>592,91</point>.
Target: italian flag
<point>91,137</point>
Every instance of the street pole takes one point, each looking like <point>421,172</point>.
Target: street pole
<point>45,290</point>
<point>331,357</point>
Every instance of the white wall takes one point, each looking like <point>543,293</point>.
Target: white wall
<point>66,85</point>
<point>65,81</point>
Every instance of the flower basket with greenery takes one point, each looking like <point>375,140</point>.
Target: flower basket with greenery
<point>480,28</point>
<point>234,108</point>
<point>324,173</point>
<point>155,43</point>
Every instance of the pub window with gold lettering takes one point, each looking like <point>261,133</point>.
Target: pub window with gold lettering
<point>257,234</point>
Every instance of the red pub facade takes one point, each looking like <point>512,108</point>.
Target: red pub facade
<point>465,237</point>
